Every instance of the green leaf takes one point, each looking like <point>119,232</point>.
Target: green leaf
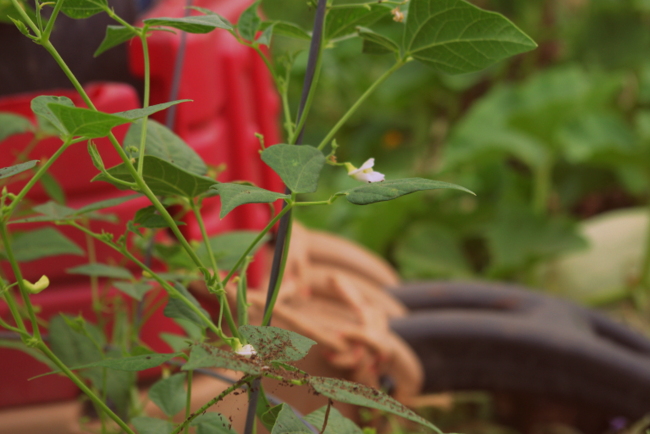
<point>47,121</point>
<point>193,24</point>
<point>149,218</point>
<point>427,251</point>
<point>115,35</point>
<point>11,124</point>
<point>358,394</point>
<point>84,122</point>
<point>265,37</point>
<point>374,43</point>
<point>176,342</point>
<point>54,210</point>
<point>52,187</point>
<point>163,178</point>
<point>456,37</point>
<point>287,422</point>
<point>169,394</point>
<point>336,422</point>
<point>6,172</point>
<point>201,357</point>
<point>163,143</point>
<point>151,425</point>
<point>73,348</point>
<point>95,156</point>
<point>233,195</point>
<point>210,12</point>
<point>228,248</point>
<point>79,9</point>
<point>105,204</point>
<point>520,237</point>
<point>344,21</point>
<point>132,363</point>
<point>388,190</point>
<point>41,243</point>
<point>136,114</point>
<point>285,28</point>
<point>176,308</point>
<point>22,28</point>
<point>273,343</point>
<point>212,423</point>
<point>298,166</point>
<point>135,290</point>
<point>249,22</point>
<point>101,270</point>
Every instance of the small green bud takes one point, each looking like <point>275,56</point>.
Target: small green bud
<point>40,285</point>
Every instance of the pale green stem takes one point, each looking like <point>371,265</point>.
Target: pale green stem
<point>358,103</point>
<point>51,20</point>
<point>37,176</point>
<point>26,18</point>
<point>259,237</point>
<point>145,102</point>
<point>310,97</point>
<point>188,399</point>
<point>223,301</point>
<point>84,388</point>
<point>212,402</point>
<point>19,279</point>
<point>173,292</point>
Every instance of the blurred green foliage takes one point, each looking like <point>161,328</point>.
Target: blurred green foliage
<point>545,139</point>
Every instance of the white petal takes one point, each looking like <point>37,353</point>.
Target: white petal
<point>368,164</point>
<point>374,177</point>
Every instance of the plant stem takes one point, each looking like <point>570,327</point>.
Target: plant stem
<point>81,385</point>
<point>145,100</point>
<point>50,22</point>
<point>542,185</point>
<point>259,237</point>
<point>360,101</point>
<point>188,398</point>
<point>213,401</point>
<point>26,18</point>
<point>4,234</point>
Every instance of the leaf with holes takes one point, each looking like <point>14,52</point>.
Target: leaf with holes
<point>215,358</point>
<point>298,166</point>
<point>276,344</point>
<point>358,394</point>
<point>163,178</point>
<point>456,37</point>
<point>233,195</point>
<point>163,143</point>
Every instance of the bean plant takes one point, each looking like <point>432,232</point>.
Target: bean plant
<point>450,36</point>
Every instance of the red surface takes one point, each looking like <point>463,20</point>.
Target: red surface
<point>233,99</point>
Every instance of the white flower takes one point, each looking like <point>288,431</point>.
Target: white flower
<point>365,172</point>
<point>246,351</point>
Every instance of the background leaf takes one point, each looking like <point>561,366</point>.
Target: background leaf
<point>46,119</point>
<point>115,35</point>
<point>11,124</point>
<point>374,43</point>
<point>344,21</point>
<point>169,394</point>
<point>135,290</point>
<point>6,172</point>
<point>164,179</point>
<point>336,422</point>
<point>151,425</point>
<point>176,308</point>
<point>287,422</point>
<point>41,243</point>
<point>298,166</point>
<point>79,9</point>
<point>101,270</point>
<point>212,423</point>
<point>233,195</point>
<point>161,142</point>
<point>285,28</point>
<point>388,190</point>
<point>456,37</point>
<point>192,24</point>
<point>249,22</point>
<point>228,248</point>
